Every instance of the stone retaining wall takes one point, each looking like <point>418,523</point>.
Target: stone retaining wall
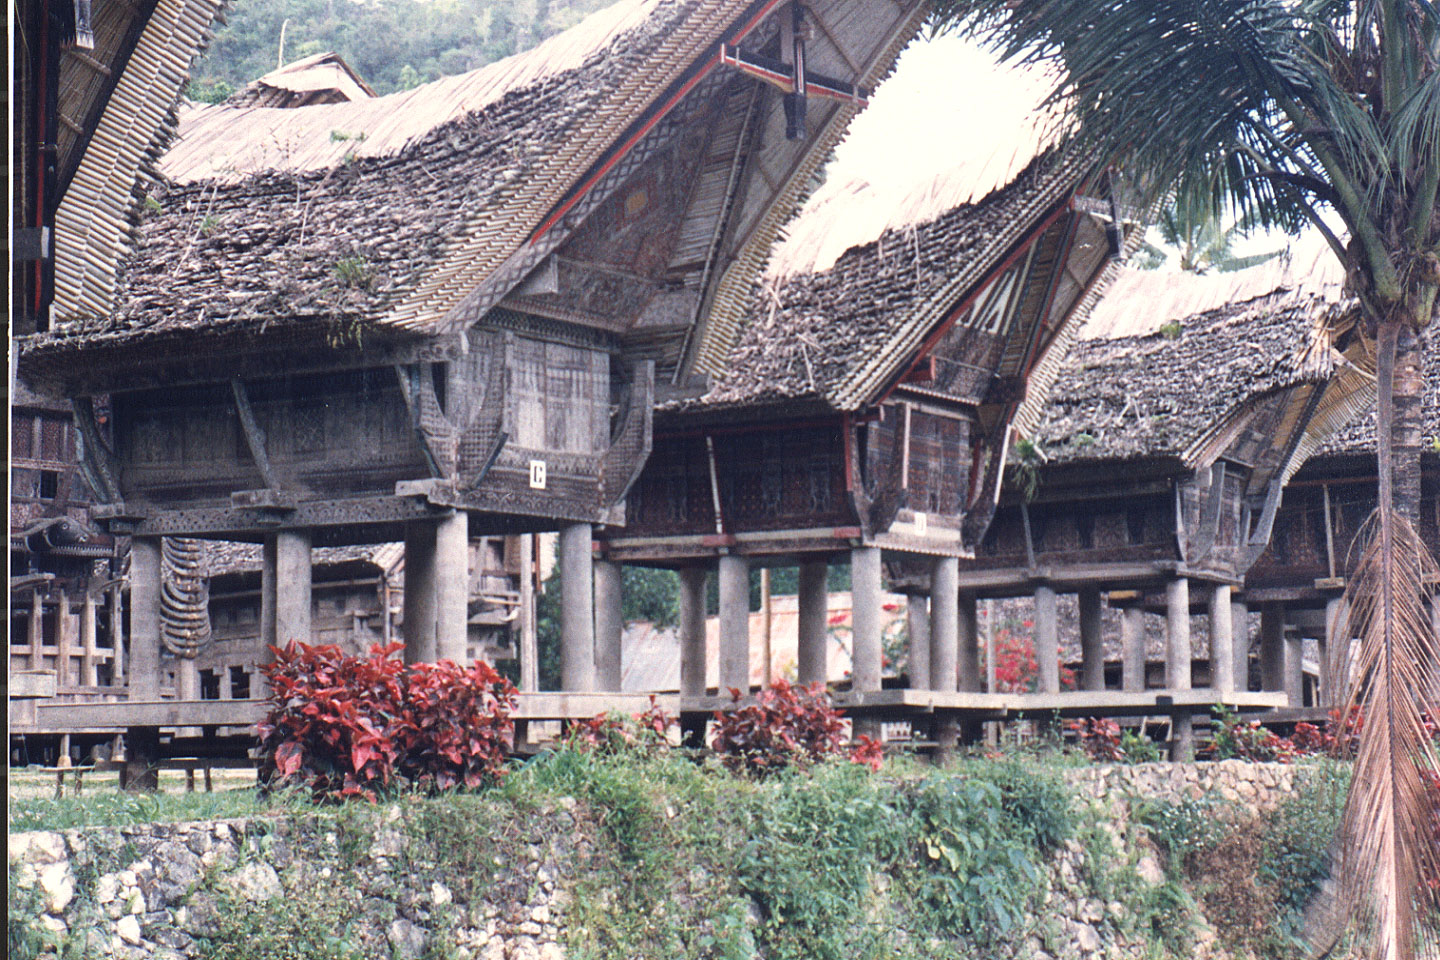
<point>153,891</point>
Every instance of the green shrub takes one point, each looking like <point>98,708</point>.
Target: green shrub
<point>1295,857</point>
<point>1180,829</point>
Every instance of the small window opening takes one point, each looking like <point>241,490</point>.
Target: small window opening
<point>49,484</point>
<point>239,684</point>
<point>209,685</point>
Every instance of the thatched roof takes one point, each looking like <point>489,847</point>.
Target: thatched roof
<point>1358,436</point>
<point>121,99</point>
<point>913,215</point>
<point>320,78</point>
<point>1165,392</point>
<point>820,335</point>
<point>419,211</point>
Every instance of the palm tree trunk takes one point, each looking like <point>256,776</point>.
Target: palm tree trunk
<point>1406,428</point>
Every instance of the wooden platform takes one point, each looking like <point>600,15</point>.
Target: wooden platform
<point>58,718</point>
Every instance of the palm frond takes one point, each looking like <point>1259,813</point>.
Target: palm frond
<point>1386,835</point>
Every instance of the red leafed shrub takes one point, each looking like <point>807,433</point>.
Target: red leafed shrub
<point>789,726</point>
<point>1099,737</point>
<point>868,752</point>
<point>609,733</point>
<point>456,727</point>
<point>347,726</point>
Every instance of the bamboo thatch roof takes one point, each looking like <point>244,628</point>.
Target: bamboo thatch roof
<point>94,220</point>
<point>913,213</point>
<point>1358,436</point>
<point>1171,391</point>
<point>316,79</point>
<point>418,212</point>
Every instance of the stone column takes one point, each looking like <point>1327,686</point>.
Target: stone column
<point>145,618</point>
<point>1222,641</point>
<point>1132,647</point>
<point>734,624</point>
<point>917,648</point>
<point>692,631</point>
<point>1295,668</point>
<point>418,613</point>
<point>64,645</point>
<point>89,676</point>
<point>968,634</point>
<point>814,624</point>
<point>35,629</point>
<point>452,587</point>
<point>577,610</point>
<point>292,586</point>
<point>1240,627</point>
<point>1177,662</point>
<point>609,625</point>
<point>1092,644</point>
<point>1047,639</point>
<point>1335,642</point>
<point>142,744</point>
<point>865,618</point>
<point>529,642</point>
<point>268,638</point>
<point>1272,647</point>
<point>944,624</point>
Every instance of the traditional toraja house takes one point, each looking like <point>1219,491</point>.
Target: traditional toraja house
<point>1297,582</point>
<point>864,410</point>
<point>1155,473</point>
<point>443,313</point>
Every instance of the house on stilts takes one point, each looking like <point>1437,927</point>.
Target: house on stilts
<point>444,313</point>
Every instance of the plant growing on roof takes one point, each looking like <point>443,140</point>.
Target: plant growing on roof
<point>1288,112</point>
<point>354,272</point>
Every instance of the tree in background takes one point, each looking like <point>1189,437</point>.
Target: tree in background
<point>392,44</point>
<point>1201,243</point>
<point>1281,113</point>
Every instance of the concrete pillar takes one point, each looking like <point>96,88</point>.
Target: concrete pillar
<point>814,624</point>
<point>1047,639</point>
<point>452,587</point>
<point>268,637</point>
<point>1177,662</point>
<point>142,744</point>
<point>609,625</point>
<point>1092,645</point>
<point>1132,649</point>
<point>944,624</point>
<point>145,618</point>
<point>865,618</point>
<point>529,642</point>
<point>64,645</point>
<point>418,611</point>
<point>187,679</point>
<point>35,629</point>
<point>292,586</point>
<point>692,631</point>
<point>968,658</point>
<point>1335,642</point>
<point>117,637</point>
<point>917,647</point>
<point>1240,628</point>
<point>1272,647</point>
<point>89,676</point>
<point>577,610</point>
<point>1295,668</point>
<point>1222,641</point>
<point>734,624</point>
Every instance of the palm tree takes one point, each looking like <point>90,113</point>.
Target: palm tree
<point>1289,112</point>
<point>1201,241</point>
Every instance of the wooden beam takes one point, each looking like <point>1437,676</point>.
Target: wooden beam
<point>254,436</point>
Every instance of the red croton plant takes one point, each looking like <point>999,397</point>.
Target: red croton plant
<point>788,726</point>
<point>349,726</point>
